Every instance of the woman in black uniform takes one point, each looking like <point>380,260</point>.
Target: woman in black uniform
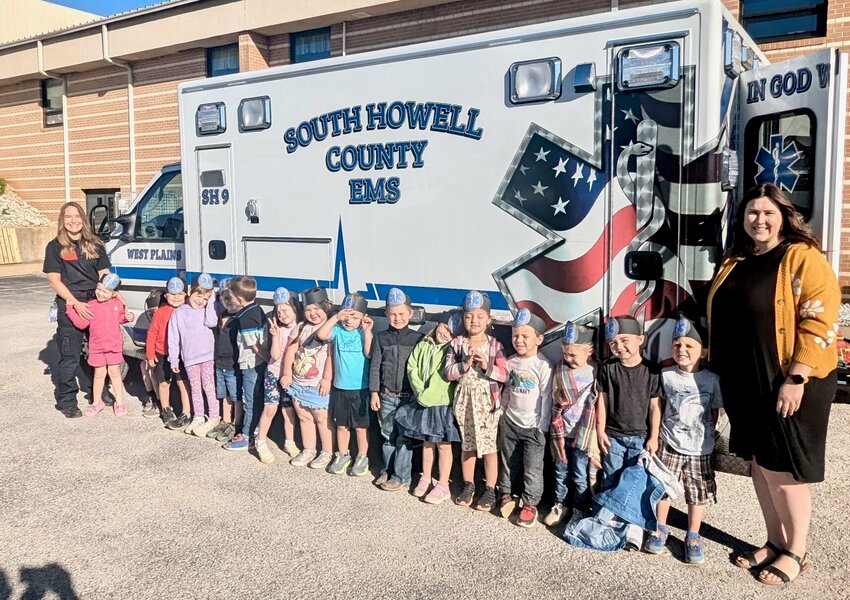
<point>74,262</point>
<point>773,317</point>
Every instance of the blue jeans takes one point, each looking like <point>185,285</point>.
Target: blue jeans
<point>398,455</point>
<point>624,451</point>
<point>635,498</point>
<point>602,531</point>
<point>227,384</point>
<point>252,394</point>
<point>573,473</point>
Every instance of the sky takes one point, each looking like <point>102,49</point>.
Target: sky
<point>105,7</point>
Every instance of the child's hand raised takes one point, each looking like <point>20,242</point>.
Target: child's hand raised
<point>367,323</point>
<point>274,330</point>
<point>480,359</point>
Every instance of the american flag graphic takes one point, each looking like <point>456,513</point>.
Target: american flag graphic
<point>590,221</point>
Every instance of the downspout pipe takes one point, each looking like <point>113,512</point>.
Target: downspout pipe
<point>131,103</point>
<point>66,157</point>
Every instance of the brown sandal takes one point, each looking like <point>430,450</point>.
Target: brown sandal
<point>785,579</point>
<point>750,557</point>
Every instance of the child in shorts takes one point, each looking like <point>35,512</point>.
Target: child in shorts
<point>350,334</point>
<point>227,375</point>
<point>692,404</point>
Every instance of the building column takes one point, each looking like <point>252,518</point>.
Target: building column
<point>253,51</point>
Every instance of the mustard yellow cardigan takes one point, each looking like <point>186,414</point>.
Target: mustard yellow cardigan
<point>806,306</point>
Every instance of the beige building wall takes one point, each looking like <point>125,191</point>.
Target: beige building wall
<point>26,18</point>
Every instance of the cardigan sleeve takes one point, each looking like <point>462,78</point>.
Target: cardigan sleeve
<point>816,299</point>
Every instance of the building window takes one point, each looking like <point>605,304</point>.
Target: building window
<point>222,60</point>
<point>310,45</point>
<point>51,101</point>
<point>779,20</point>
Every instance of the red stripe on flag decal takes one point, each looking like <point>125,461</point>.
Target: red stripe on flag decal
<point>582,273</point>
<point>664,299</point>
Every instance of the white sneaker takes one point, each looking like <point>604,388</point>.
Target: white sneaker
<point>290,448</point>
<point>205,428</point>
<point>555,516</point>
<point>195,422</point>
<point>303,458</point>
<point>263,451</point>
<point>321,461</point>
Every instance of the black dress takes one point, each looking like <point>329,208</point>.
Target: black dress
<point>744,355</point>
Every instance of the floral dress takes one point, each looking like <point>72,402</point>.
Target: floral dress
<point>473,409</point>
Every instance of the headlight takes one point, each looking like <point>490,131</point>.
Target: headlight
<point>650,66</point>
<point>535,80</point>
<point>209,119</point>
<point>255,113</point>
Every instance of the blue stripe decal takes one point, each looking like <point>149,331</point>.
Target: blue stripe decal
<point>149,273</point>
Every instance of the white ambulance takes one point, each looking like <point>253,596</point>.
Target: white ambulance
<point>578,168</point>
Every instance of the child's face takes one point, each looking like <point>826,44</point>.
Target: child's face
<point>102,294</point>
<point>576,355</point>
<point>526,340</point>
<point>476,321</point>
<point>399,316</point>
<point>314,314</point>
<point>626,347</point>
<point>350,319</point>
<point>442,334</point>
<point>227,301</point>
<point>199,299</point>
<point>285,314</point>
<point>175,300</point>
<point>687,353</point>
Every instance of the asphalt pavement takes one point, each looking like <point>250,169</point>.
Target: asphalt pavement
<point>123,508</point>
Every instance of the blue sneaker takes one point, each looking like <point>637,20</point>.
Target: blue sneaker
<point>657,540</point>
<point>693,549</point>
<point>240,442</point>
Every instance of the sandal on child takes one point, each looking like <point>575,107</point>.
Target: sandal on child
<point>93,409</point>
<point>750,557</point>
<point>784,577</point>
<point>119,410</point>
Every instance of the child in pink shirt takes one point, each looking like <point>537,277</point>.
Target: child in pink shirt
<point>106,343</point>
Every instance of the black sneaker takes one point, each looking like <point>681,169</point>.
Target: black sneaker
<point>466,494</point>
<point>180,422</point>
<point>167,415</point>
<point>72,413</point>
<point>487,500</point>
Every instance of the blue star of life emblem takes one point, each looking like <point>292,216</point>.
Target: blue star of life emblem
<point>776,163</point>
<point>682,327</point>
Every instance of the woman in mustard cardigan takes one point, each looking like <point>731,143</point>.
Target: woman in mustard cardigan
<point>773,318</point>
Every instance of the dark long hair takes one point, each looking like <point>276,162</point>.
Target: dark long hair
<point>794,228</point>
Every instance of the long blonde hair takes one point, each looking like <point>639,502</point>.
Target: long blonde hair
<point>90,244</point>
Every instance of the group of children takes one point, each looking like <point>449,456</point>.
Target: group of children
<point>324,369</point>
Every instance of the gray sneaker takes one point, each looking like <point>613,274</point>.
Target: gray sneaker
<point>340,463</point>
<point>226,434</point>
<point>361,466</point>
<point>321,461</point>
<point>303,459</point>
<point>217,430</point>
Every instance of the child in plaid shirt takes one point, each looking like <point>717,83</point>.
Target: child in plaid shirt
<point>692,404</point>
<point>573,428</point>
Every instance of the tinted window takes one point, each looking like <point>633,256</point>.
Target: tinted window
<point>161,210</point>
<point>776,20</point>
<point>222,60</point>
<point>51,101</point>
<point>310,45</point>
<point>779,149</point>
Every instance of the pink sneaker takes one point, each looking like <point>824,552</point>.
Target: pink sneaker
<point>93,409</point>
<point>438,494</point>
<point>120,410</point>
<point>422,486</point>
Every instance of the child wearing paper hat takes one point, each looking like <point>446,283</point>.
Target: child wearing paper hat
<point>106,342</point>
<point>476,361</point>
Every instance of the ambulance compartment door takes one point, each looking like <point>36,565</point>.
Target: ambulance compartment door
<point>791,134</point>
<point>216,198</point>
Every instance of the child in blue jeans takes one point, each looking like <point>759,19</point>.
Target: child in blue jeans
<point>628,411</point>
<point>573,428</point>
<point>390,388</point>
<point>253,356</point>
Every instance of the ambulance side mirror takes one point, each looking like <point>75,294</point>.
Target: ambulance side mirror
<point>128,225</point>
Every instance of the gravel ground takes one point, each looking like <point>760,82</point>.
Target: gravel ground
<point>109,508</point>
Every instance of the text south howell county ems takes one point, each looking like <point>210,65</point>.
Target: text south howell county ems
<point>436,116</point>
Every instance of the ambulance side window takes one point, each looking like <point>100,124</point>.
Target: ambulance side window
<point>780,149</point>
<point>161,211</point>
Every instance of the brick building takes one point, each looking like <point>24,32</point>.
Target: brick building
<point>91,110</point>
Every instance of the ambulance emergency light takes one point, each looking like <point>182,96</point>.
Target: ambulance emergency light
<point>255,113</point>
<point>535,80</point>
<point>648,66</point>
<point>209,119</point>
